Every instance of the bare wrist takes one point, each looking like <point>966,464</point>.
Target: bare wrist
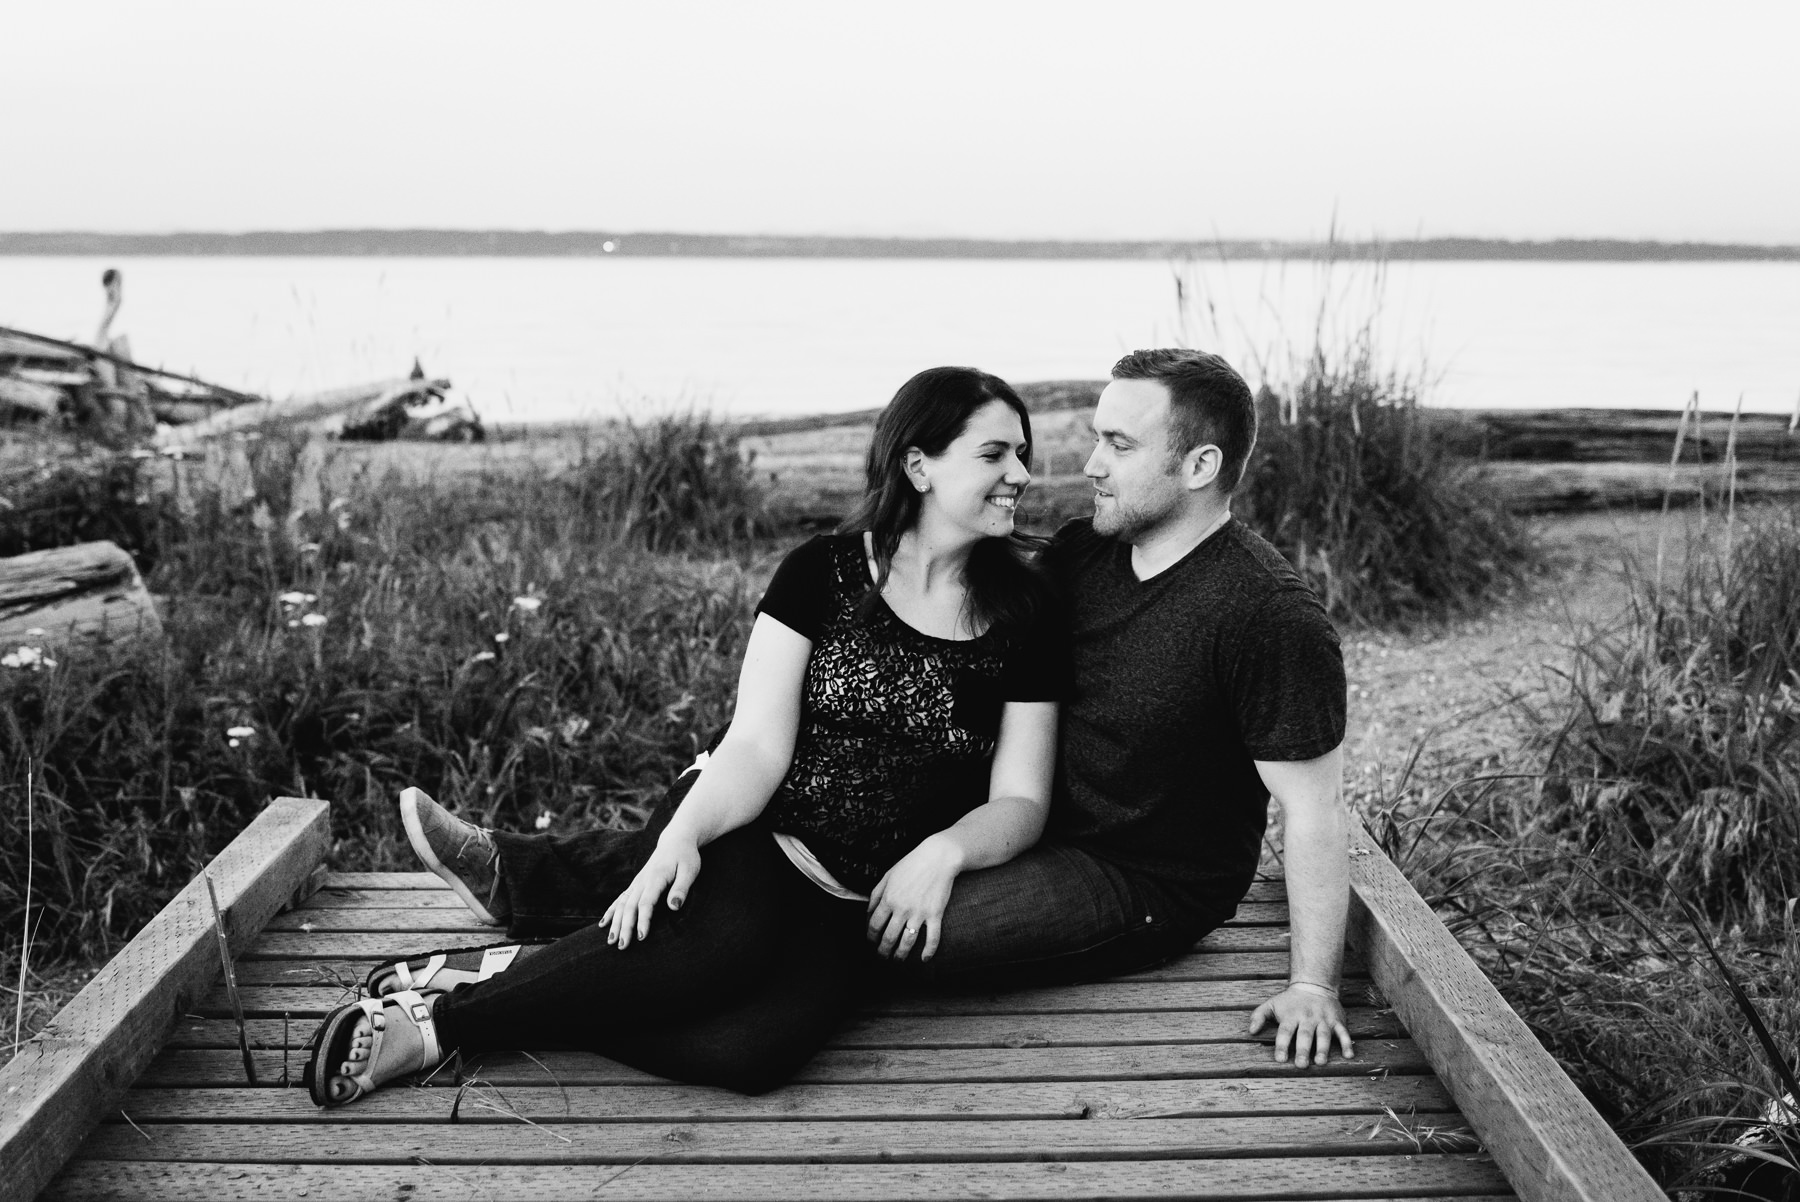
<point>1318,987</point>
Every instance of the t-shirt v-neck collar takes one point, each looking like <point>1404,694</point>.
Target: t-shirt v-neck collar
<point>1212,533</point>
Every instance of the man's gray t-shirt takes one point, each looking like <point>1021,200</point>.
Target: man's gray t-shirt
<point>1182,681</point>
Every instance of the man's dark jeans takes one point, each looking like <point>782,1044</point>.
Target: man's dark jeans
<point>1054,914</point>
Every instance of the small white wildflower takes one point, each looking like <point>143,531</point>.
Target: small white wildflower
<point>240,732</point>
<point>25,657</point>
<point>233,742</point>
<point>297,598</point>
<point>314,620</point>
<point>574,728</point>
<point>543,820</point>
<point>175,452</point>
<point>502,637</point>
<point>538,733</point>
<point>249,494</point>
<point>293,623</point>
<point>36,632</point>
<point>481,656</point>
<point>309,548</point>
<point>142,453</point>
<point>529,604</point>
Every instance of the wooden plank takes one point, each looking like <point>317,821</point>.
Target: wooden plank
<point>272,1001</point>
<point>380,901</point>
<point>77,1066</point>
<point>645,1103</point>
<point>897,1031</point>
<point>809,1142</point>
<point>384,880</point>
<point>203,1068</point>
<point>1550,1141</point>
<point>1366,1177</point>
<point>1268,889</point>
<point>429,930</point>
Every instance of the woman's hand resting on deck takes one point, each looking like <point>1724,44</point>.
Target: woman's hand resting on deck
<point>906,908</point>
<point>670,869</point>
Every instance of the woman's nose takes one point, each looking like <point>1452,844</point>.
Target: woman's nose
<point>1017,473</point>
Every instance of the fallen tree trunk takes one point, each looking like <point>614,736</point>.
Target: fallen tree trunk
<point>319,412</point>
<point>90,593</point>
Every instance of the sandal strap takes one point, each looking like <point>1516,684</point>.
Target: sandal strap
<point>416,1008</point>
<point>410,980</point>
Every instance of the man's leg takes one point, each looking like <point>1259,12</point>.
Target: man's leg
<point>1056,914</point>
<point>554,884</point>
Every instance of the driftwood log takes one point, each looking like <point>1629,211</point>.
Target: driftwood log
<point>90,593</point>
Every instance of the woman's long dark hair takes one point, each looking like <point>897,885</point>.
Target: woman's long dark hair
<point>1006,588</point>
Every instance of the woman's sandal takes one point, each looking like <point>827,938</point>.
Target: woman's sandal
<point>442,971</point>
<point>402,1040</point>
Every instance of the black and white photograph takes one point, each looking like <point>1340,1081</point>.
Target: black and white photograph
<point>793,600</point>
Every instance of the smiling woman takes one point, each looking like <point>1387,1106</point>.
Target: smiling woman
<point>894,728</point>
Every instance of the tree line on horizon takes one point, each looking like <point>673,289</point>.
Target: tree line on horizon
<point>599,243</point>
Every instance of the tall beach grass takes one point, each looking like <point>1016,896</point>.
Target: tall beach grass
<point>537,646</point>
<point>1633,890</point>
<point>1349,479</point>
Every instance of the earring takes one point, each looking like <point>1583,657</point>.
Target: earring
<point>923,486</point>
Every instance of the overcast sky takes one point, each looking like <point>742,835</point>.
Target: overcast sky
<point>1107,120</point>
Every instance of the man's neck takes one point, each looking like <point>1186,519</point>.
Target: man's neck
<point>1168,543</point>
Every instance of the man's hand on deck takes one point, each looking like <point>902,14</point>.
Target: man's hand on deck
<point>1305,1022</point>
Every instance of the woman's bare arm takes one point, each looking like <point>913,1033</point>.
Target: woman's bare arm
<point>906,908</point>
<point>739,779</point>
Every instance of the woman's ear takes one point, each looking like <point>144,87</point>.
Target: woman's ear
<point>916,471</point>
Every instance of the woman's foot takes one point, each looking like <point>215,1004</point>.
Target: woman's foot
<point>462,854</point>
<point>367,1044</point>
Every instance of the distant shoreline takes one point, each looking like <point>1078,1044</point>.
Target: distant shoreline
<point>604,244</point>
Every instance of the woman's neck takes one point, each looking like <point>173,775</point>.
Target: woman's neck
<point>927,585</point>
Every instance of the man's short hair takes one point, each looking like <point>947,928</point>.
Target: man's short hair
<point>1209,403</point>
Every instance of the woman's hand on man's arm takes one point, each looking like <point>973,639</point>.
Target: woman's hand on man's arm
<point>739,778</point>
<point>906,909</point>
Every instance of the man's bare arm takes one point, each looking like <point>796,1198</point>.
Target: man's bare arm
<point>1317,841</point>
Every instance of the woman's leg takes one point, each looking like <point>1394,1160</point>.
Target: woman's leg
<point>739,988</point>
<point>763,1040</point>
<point>723,939</point>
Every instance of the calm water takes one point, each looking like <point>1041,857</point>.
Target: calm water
<point>567,338</point>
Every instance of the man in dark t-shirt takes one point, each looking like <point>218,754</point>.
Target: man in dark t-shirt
<point>1207,679</point>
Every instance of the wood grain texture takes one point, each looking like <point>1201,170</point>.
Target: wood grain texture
<point>806,1142</point>
<point>1274,890</point>
<point>1322,1177</point>
<point>77,1066</point>
<point>208,1068</point>
<point>332,983</point>
<point>1552,1144</point>
<point>908,1031</point>
<point>90,592</point>
<point>1101,1099</point>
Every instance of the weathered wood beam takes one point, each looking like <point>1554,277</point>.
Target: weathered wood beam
<point>355,403</point>
<point>75,1070</point>
<point>1550,1142</point>
<point>90,592</point>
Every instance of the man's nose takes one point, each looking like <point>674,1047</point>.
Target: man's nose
<point>1094,467</point>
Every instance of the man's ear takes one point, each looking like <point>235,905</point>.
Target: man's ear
<point>1200,466</point>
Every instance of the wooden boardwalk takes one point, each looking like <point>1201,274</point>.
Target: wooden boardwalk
<point>1143,1087</point>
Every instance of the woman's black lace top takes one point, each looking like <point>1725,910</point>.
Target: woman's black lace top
<point>897,728</point>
